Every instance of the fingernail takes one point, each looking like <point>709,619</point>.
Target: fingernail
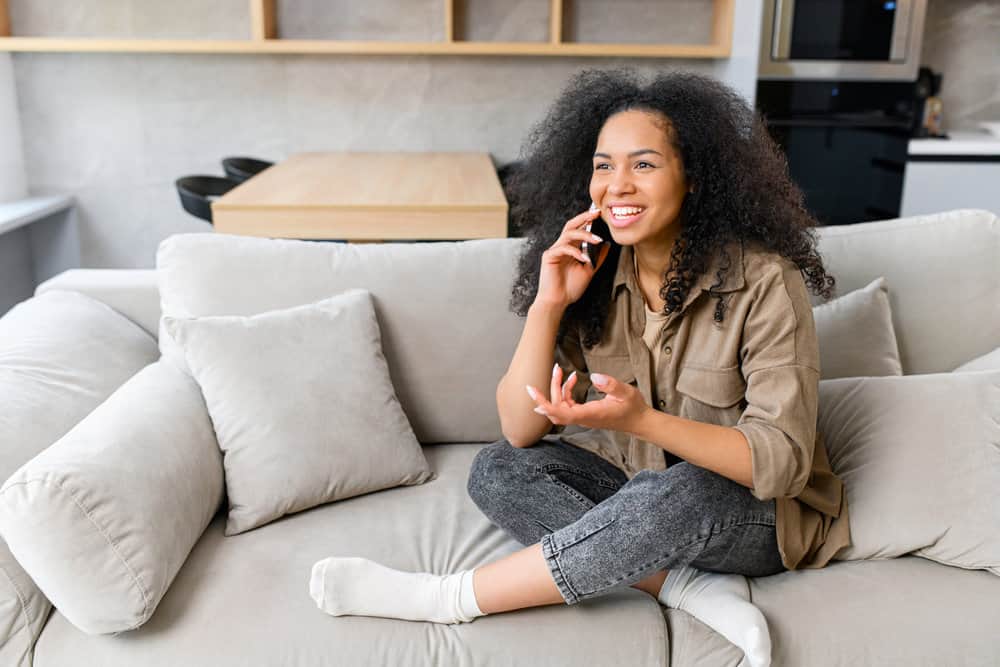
<point>531,392</point>
<point>597,378</point>
<point>555,368</point>
<point>597,239</point>
<point>570,375</point>
<point>540,410</point>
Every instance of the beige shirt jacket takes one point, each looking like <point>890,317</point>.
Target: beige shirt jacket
<point>757,371</point>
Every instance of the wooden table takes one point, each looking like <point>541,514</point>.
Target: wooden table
<point>358,196</point>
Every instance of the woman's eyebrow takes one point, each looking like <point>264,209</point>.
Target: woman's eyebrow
<point>632,154</point>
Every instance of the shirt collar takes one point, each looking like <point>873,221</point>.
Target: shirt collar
<point>734,280</point>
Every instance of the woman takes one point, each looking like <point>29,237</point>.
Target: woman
<point>701,463</point>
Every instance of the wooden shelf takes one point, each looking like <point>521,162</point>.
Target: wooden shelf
<point>264,28</point>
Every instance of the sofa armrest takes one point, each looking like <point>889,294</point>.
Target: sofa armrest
<point>104,518</point>
<point>132,292</point>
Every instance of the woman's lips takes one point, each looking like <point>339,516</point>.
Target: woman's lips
<point>624,221</point>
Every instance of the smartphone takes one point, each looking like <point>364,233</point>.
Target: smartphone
<point>584,246</point>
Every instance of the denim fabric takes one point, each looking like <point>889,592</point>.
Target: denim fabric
<point>601,531</point>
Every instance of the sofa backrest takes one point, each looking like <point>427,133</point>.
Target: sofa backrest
<point>943,272</point>
<point>443,310</point>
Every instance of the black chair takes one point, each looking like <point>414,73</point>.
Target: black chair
<point>197,193</point>
<point>505,173</point>
<point>241,168</point>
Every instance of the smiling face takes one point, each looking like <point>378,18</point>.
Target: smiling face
<point>638,181</point>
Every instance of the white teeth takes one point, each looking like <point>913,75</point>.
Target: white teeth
<point>626,210</point>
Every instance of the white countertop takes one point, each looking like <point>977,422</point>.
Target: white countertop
<point>959,142</point>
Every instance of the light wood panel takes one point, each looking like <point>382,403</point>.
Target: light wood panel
<point>265,40</point>
<point>263,21</point>
<point>722,24</point>
<point>303,46</point>
<point>4,19</point>
<point>555,21</point>
<point>367,195</point>
<point>449,20</point>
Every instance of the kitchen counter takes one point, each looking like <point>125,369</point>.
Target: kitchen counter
<point>959,142</point>
<point>962,171</point>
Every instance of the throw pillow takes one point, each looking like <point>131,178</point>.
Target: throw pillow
<point>303,406</point>
<point>443,310</point>
<point>856,336</point>
<point>61,354</point>
<point>103,519</point>
<point>919,459</point>
<point>988,362</point>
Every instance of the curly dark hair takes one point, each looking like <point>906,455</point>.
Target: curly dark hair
<point>742,191</point>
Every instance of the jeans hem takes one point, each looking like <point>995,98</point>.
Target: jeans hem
<point>549,552</point>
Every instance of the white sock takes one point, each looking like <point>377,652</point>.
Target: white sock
<point>722,602</point>
<point>360,587</point>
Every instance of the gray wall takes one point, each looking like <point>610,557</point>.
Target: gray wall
<point>15,252</point>
<point>12,181</point>
<point>962,40</point>
<point>115,130</point>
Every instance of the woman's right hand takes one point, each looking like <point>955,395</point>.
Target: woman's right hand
<point>565,271</point>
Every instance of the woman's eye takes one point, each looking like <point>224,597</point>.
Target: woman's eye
<point>602,165</point>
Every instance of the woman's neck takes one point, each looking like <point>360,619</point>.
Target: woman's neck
<point>649,272</point>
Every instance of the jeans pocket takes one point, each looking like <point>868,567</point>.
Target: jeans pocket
<point>749,548</point>
<point>584,486</point>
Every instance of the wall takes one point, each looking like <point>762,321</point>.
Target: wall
<point>117,129</point>
<point>12,180</point>
<point>15,253</point>
<point>962,40</point>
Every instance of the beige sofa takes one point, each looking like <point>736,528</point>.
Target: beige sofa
<point>242,600</point>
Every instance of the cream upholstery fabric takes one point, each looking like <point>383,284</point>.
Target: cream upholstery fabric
<point>855,334</point>
<point>122,497</point>
<point>302,406</point>
<point>61,354</point>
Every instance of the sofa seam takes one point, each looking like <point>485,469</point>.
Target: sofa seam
<point>104,534</point>
<point>25,612</point>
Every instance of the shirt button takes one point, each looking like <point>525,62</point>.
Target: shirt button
<point>663,403</point>
<point>667,350</point>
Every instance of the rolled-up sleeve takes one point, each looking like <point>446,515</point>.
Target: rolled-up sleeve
<point>569,356</point>
<point>780,362</point>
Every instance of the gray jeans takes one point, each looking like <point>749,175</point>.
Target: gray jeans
<point>601,531</point>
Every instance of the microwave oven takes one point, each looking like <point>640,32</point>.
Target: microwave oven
<point>843,40</point>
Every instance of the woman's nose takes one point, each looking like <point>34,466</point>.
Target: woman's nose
<point>621,182</point>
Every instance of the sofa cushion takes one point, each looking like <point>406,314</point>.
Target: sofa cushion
<point>244,600</point>
<point>919,459</point>
<point>131,292</point>
<point>302,406</point>
<point>902,611</point>
<point>943,302</point>
<point>122,497</point>
<point>855,334</point>
<point>443,309</point>
<point>988,362</point>
<point>61,354</point>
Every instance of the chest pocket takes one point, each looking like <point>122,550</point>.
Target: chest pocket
<point>617,366</point>
<point>712,395</point>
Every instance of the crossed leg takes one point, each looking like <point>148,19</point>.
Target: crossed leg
<point>523,579</point>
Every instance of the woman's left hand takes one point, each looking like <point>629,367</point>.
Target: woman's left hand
<point>619,410</point>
